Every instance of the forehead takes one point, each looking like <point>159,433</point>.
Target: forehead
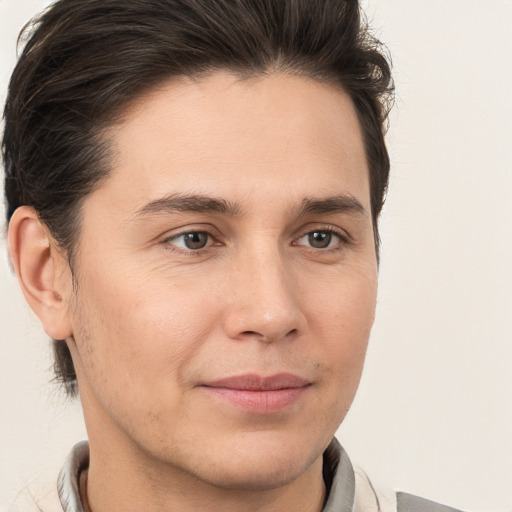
<point>232,137</point>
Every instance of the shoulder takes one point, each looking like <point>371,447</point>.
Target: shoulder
<point>350,489</point>
<point>369,498</point>
<point>409,503</point>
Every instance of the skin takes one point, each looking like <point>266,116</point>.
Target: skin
<point>151,320</point>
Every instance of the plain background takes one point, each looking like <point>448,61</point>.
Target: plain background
<point>434,411</point>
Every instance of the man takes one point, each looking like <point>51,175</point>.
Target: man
<point>193,193</point>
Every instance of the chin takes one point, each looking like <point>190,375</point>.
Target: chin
<point>252,475</point>
<point>259,464</point>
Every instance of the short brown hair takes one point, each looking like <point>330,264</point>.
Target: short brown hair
<point>85,60</point>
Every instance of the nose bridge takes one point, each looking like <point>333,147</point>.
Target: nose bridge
<point>264,300</point>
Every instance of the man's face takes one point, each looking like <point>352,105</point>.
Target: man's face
<point>227,280</point>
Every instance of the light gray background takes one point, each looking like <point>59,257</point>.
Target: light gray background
<point>434,412</point>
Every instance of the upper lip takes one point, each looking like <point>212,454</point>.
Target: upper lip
<point>254,382</point>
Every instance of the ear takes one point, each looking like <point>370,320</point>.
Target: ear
<point>41,269</point>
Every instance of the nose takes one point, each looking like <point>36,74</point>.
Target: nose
<point>264,302</point>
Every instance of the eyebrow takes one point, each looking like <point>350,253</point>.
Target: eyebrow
<point>336,204</point>
<point>173,203</point>
<point>189,203</point>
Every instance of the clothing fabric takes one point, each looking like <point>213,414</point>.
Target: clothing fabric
<point>348,489</point>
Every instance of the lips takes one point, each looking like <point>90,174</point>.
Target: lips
<point>258,394</point>
<point>258,383</point>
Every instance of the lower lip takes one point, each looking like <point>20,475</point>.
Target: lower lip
<point>258,402</point>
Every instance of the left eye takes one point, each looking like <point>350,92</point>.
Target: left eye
<point>321,239</point>
<point>192,240</point>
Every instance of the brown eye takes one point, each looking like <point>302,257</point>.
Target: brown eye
<point>321,239</point>
<point>196,240</point>
<point>192,240</point>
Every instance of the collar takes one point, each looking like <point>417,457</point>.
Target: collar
<point>338,472</point>
<point>68,483</point>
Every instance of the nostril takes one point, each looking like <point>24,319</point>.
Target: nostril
<point>252,333</point>
<point>262,337</point>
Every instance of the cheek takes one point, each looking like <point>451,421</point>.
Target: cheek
<point>344,302</point>
<point>342,315</point>
<point>147,331</point>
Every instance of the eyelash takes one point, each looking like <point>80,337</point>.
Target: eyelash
<point>344,240</point>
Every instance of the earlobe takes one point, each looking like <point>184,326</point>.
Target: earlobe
<point>37,263</point>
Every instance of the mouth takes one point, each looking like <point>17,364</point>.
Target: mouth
<point>258,394</point>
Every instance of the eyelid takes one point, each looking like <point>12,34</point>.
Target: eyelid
<point>190,228</point>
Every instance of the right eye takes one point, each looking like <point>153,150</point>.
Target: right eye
<point>191,240</point>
